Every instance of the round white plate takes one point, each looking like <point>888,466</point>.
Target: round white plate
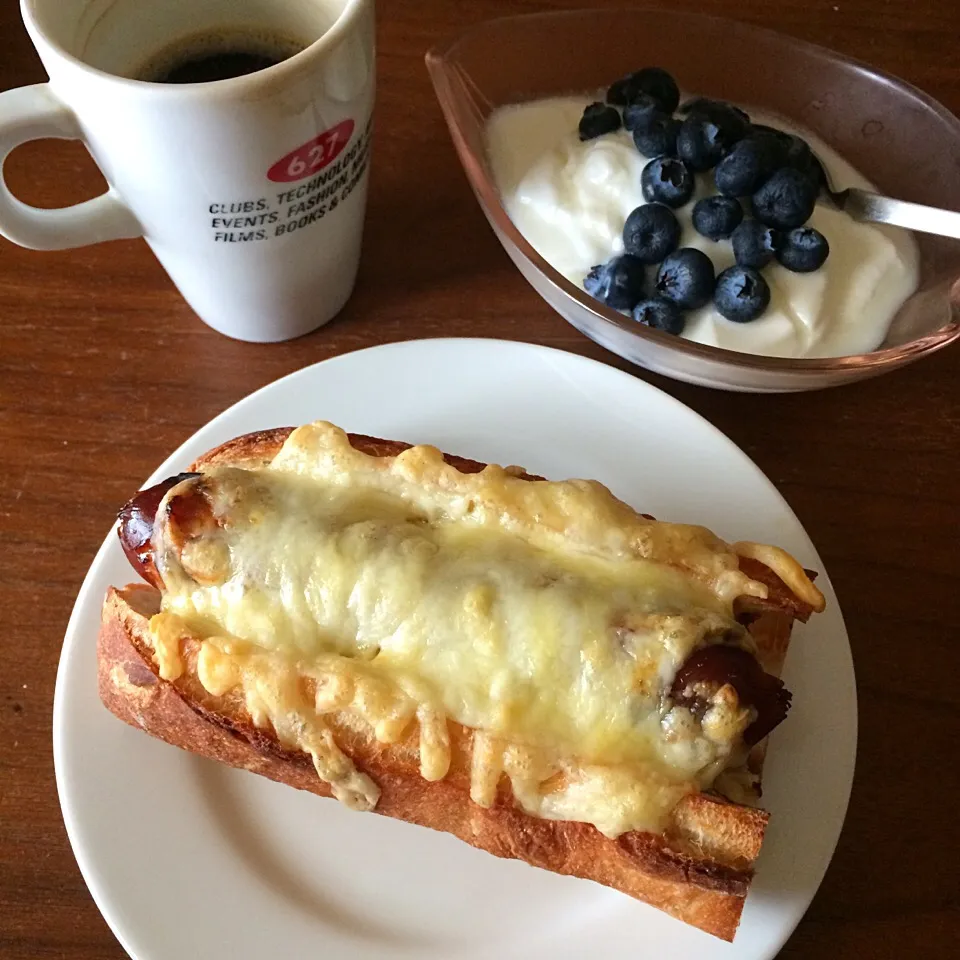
<point>189,859</point>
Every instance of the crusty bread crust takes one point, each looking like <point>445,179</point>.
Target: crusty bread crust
<point>258,449</point>
<point>698,872</point>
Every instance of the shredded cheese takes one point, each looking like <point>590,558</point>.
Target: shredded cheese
<point>785,567</point>
<point>547,617</point>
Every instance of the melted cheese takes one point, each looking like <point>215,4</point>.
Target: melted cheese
<point>276,696</point>
<point>548,617</point>
<point>167,633</point>
<point>789,571</point>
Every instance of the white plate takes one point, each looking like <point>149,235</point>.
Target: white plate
<point>187,859</point>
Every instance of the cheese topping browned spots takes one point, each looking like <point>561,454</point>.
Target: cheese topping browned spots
<point>548,617</point>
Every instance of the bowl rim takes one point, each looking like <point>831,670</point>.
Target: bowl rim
<point>440,59</point>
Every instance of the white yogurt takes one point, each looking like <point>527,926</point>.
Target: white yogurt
<point>570,200</point>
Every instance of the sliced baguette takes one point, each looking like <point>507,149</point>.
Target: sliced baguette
<point>699,871</point>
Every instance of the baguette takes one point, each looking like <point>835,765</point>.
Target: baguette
<point>697,869</point>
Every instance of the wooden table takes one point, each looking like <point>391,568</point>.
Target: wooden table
<point>89,406</point>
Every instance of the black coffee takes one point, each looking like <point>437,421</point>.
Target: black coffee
<point>217,56</point>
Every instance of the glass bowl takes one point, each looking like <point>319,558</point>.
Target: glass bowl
<point>873,120</point>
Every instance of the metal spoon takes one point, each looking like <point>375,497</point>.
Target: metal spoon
<point>872,208</point>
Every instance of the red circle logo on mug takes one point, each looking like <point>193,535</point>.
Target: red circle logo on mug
<point>314,155</point>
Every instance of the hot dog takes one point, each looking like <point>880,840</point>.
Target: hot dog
<point>199,536</point>
<point>189,515</point>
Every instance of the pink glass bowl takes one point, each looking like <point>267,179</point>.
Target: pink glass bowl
<point>899,138</point>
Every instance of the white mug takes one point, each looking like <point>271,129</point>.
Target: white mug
<point>250,190</point>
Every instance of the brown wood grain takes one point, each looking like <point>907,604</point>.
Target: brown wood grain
<point>90,403</point>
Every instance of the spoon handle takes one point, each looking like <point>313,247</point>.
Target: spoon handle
<point>872,208</point>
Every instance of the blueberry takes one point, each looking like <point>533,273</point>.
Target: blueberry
<point>641,112</point>
<point>622,91</point>
<point>720,112</point>
<point>798,152</point>
<point>618,283</point>
<point>660,85</point>
<point>786,200</point>
<point>789,150</point>
<point>765,128</point>
<point>659,139</point>
<point>651,232</point>
<point>799,156</point>
<point>686,278</point>
<point>717,217</point>
<point>710,130</point>
<point>807,163</point>
<point>755,245</point>
<point>742,294</point>
<point>748,164</point>
<point>816,173</point>
<point>778,141</point>
<point>804,250</point>
<point>597,120</point>
<point>660,314</point>
<point>701,142</point>
<point>653,81</point>
<point>666,180</point>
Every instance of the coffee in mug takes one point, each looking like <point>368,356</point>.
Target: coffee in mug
<point>221,55</point>
<point>235,139</point>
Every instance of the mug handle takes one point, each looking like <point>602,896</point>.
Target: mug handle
<point>32,113</point>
